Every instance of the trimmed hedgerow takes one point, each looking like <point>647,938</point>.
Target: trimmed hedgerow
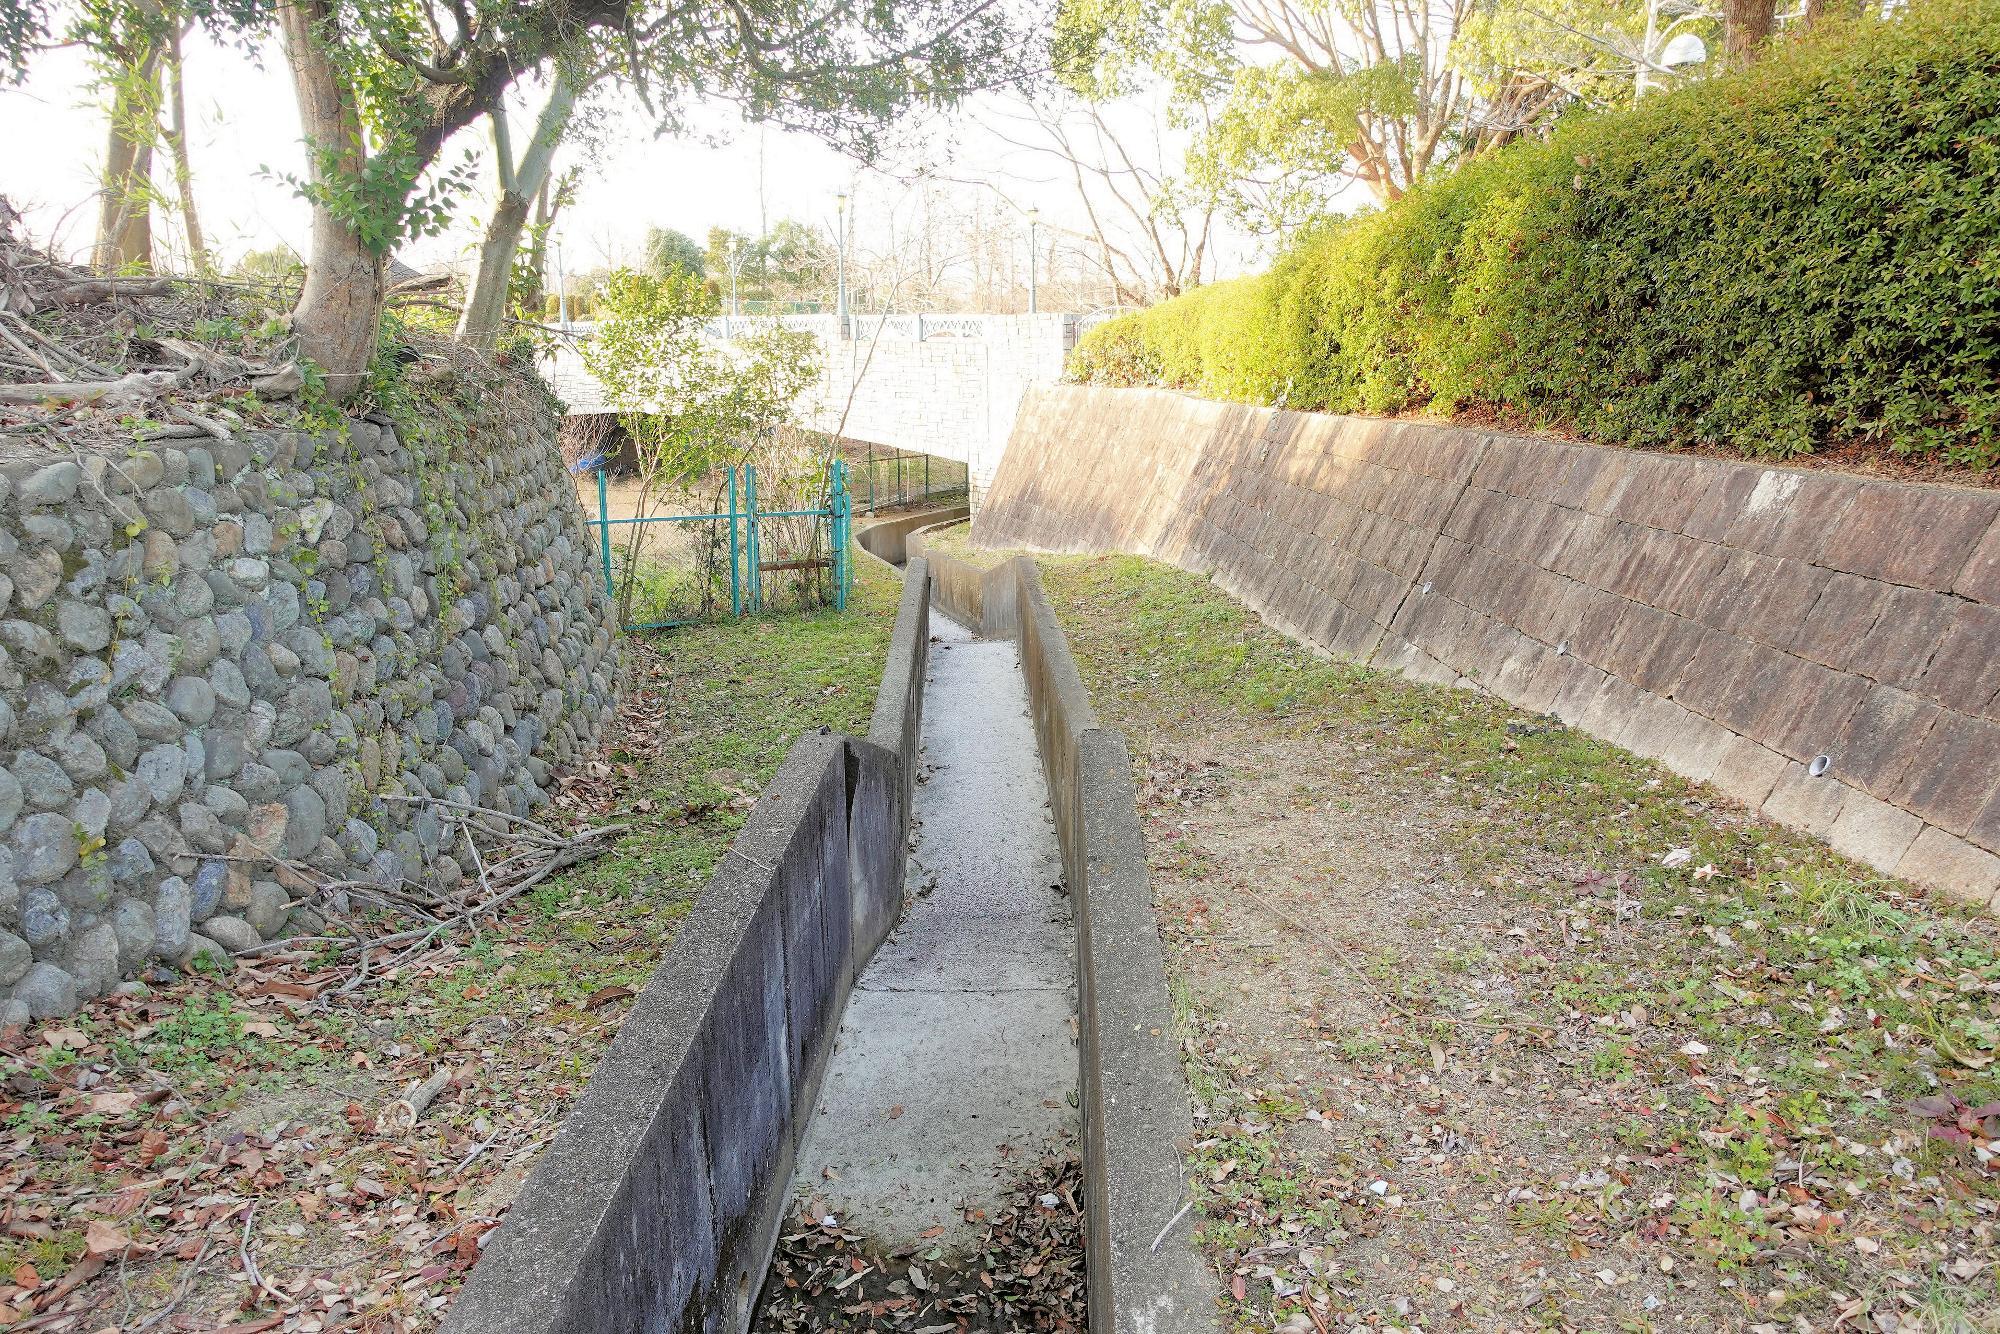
<point>1805,252</point>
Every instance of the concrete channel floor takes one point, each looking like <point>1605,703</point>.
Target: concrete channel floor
<point>956,1062</point>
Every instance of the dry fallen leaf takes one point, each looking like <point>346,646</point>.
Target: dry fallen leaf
<point>102,1238</point>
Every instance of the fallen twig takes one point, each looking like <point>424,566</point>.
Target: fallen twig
<point>401,1116</point>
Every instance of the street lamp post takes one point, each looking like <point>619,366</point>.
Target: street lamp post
<point>1034,217</point>
<point>562,290</point>
<point>735,307</point>
<point>840,261</point>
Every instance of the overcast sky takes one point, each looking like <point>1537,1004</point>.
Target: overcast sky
<point>244,120</point>
<point>245,135</point>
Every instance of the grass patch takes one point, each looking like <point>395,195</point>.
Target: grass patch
<point>1804,1052</point>
<point>172,1115</point>
<point>956,542</point>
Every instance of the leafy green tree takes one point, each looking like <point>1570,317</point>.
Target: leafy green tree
<point>689,404</point>
<point>1289,101</point>
<point>1528,58</point>
<point>798,262</point>
<point>1303,84</point>
<point>383,85</point>
<point>522,183</point>
<point>132,44</point>
<point>667,250</point>
<point>792,264</point>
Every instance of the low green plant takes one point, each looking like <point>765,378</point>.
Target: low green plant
<point>193,1036</point>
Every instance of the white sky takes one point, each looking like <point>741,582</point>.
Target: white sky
<point>244,120</point>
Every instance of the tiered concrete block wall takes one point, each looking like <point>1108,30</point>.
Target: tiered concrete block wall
<point>223,660</point>
<point>1734,621</point>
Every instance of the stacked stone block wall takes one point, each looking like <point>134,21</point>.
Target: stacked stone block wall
<point>1737,622</point>
<point>225,666</point>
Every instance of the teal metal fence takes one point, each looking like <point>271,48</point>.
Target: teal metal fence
<point>665,570</point>
<point>895,479</point>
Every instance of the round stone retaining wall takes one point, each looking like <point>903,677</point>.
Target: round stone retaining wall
<point>222,660</point>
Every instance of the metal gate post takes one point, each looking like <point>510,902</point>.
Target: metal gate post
<point>604,528</point>
<point>735,562</point>
<point>754,545</point>
<point>840,508</point>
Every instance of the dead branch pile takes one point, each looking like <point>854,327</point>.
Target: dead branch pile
<point>513,854</point>
<point>78,347</point>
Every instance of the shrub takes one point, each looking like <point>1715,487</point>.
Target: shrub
<point>1806,252</point>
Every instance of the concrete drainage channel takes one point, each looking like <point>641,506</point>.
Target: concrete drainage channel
<point>925,974</point>
<point>953,1082</point>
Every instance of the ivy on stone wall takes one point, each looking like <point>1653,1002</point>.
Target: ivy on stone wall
<point>1804,254</point>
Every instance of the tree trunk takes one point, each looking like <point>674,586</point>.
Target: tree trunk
<point>125,212</point>
<point>548,203</point>
<point>486,304</point>
<point>339,314</point>
<point>177,146</point>
<point>1746,26</point>
<point>1818,9</point>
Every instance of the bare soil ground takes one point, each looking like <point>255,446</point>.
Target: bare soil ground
<point>1493,1026</point>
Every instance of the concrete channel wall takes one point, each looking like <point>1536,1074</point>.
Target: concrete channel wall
<point>1821,646</point>
<point>888,538</point>
<point>658,1205</point>
<point>1145,1275</point>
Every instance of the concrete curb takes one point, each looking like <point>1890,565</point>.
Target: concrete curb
<point>884,540</point>
<point>658,1205</point>
<point>981,599</point>
<point>1145,1274</point>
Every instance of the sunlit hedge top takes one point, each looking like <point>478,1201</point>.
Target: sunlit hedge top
<point>1804,253</point>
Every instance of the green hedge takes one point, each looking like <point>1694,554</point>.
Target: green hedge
<point>1803,253</point>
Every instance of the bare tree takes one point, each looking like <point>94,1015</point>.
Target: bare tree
<point>1152,237</point>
